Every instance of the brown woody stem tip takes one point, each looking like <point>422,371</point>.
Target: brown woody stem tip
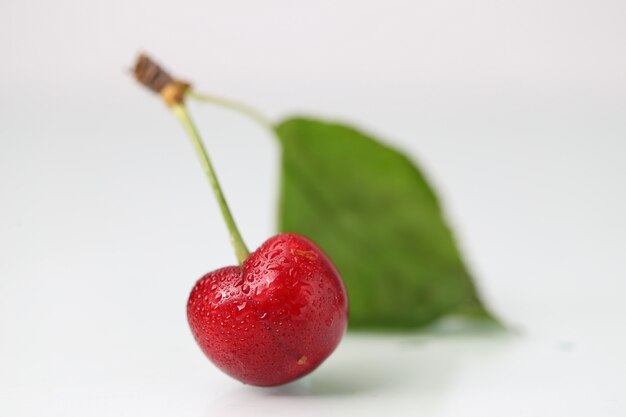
<point>152,76</point>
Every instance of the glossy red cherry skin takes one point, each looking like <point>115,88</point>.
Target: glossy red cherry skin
<point>274,319</point>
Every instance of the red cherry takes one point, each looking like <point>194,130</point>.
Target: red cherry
<point>275,318</point>
<point>283,310</point>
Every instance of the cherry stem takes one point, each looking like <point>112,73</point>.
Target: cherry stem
<point>181,113</point>
<point>236,106</point>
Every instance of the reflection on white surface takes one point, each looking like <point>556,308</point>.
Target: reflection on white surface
<point>440,373</point>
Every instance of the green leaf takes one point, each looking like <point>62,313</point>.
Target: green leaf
<point>373,212</point>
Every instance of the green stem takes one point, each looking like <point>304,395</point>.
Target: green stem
<point>181,113</point>
<point>239,107</point>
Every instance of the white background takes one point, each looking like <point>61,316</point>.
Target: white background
<point>517,110</point>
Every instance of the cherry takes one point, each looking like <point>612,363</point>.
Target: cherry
<point>283,310</point>
<point>275,318</point>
